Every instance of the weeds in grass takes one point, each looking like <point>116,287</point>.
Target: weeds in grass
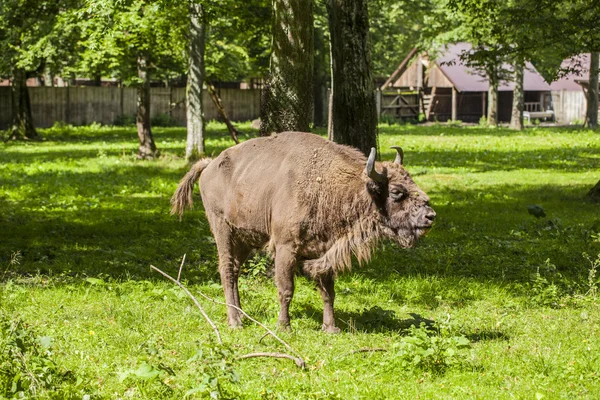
<point>545,292</point>
<point>430,351</point>
<point>592,273</point>
<point>27,364</point>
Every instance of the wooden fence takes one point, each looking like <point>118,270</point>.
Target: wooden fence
<point>84,105</point>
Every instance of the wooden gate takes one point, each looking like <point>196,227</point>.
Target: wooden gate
<point>401,105</point>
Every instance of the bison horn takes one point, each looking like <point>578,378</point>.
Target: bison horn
<point>371,172</point>
<point>400,156</point>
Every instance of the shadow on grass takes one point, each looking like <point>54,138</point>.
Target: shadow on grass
<point>125,214</point>
<point>116,221</point>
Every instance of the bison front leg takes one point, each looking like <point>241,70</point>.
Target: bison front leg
<point>326,287</point>
<point>285,265</point>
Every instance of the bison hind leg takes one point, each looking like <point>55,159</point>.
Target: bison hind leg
<point>285,268</point>
<point>232,254</point>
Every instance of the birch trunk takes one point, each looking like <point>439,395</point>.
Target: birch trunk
<point>196,126</point>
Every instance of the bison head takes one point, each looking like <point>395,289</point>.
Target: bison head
<point>404,207</point>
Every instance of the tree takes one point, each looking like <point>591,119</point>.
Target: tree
<point>194,146</point>
<point>591,115</point>
<point>287,102</point>
<point>33,35</point>
<point>134,40</point>
<point>516,119</point>
<point>353,114</point>
<point>322,65</point>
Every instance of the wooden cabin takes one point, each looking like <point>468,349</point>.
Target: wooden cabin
<point>445,89</point>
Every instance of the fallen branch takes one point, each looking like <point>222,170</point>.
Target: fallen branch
<point>299,361</point>
<point>219,106</point>
<point>180,268</point>
<point>270,332</point>
<point>193,299</point>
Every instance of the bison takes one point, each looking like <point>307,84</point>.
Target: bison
<point>313,204</point>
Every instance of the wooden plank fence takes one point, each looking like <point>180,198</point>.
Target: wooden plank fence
<point>84,105</point>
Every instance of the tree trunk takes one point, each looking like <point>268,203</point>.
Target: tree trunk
<point>287,101</point>
<point>516,119</point>
<point>594,193</point>
<point>492,115</point>
<point>217,101</point>
<point>321,71</point>
<point>354,113</point>
<point>591,115</point>
<point>22,120</point>
<point>147,149</point>
<point>196,125</point>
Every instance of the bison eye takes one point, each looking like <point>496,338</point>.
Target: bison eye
<point>397,194</point>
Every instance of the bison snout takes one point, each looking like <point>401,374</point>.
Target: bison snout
<point>429,217</point>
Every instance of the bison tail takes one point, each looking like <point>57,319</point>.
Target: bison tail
<point>182,198</point>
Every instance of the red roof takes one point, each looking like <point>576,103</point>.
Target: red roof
<point>568,82</point>
<point>467,79</point>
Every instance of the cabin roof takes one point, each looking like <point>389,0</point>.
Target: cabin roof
<point>467,79</point>
<point>581,62</point>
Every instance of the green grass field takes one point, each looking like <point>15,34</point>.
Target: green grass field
<point>511,300</point>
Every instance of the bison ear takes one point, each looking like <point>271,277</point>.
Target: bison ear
<point>400,156</point>
<point>370,168</point>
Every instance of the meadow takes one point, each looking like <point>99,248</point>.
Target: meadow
<point>493,303</point>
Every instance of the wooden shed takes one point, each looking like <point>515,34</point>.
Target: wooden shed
<point>446,89</point>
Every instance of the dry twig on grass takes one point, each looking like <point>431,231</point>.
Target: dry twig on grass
<point>270,332</point>
<point>193,299</point>
<point>180,268</point>
<point>299,360</point>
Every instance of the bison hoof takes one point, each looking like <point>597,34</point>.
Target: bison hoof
<point>330,329</point>
<point>284,327</point>
<point>235,323</point>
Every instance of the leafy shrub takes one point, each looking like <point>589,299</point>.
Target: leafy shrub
<point>432,351</point>
<point>483,123</point>
<point>259,265</point>
<point>26,363</point>
<point>124,120</point>
<point>388,119</point>
<point>163,120</point>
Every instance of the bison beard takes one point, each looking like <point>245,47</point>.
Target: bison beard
<point>311,202</point>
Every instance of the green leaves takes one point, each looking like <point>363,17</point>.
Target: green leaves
<point>432,351</point>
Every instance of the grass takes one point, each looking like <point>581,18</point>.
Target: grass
<point>512,297</point>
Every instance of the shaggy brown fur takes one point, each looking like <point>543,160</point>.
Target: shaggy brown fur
<point>310,202</point>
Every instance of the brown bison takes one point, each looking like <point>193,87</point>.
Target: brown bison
<point>313,204</point>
